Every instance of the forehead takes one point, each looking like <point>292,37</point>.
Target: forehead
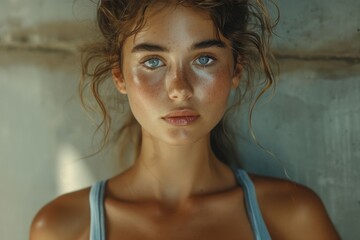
<point>176,25</point>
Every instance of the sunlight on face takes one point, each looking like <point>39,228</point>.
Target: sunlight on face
<point>177,63</point>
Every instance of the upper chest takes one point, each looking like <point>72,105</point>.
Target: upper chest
<point>222,216</point>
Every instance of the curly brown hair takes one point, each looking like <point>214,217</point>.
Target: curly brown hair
<point>246,23</point>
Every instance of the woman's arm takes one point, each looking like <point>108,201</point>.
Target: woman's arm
<point>309,218</point>
<point>294,212</point>
<point>66,217</point>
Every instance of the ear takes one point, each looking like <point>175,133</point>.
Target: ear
<point>118,79</point>
<point>237,75</point>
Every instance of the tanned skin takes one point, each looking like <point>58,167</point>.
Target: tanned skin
<point>177,189</point>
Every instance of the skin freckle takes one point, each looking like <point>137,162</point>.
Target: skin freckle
<point>175,72</point>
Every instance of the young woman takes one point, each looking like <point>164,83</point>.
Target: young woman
<point>176,63</point>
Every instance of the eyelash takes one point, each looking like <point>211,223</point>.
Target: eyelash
<point>213,59</point>
<point>149,58</point>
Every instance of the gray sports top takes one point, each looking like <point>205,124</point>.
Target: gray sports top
<point>97,227</point>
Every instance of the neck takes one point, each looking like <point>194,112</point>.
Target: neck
<point>171,174</point>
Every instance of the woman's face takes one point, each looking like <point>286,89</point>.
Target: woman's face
<point>177,74</point>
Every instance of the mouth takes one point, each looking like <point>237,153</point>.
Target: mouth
<point>182,117</point>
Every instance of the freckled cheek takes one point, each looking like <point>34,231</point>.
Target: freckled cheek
<point>143,87</point>
<point>214,85</point>
<point>142,77</point>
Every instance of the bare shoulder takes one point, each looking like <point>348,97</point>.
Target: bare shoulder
<point>66,217</point>
<point>292,211</point>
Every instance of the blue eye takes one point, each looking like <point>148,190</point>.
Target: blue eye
<point>204,60</point>
<point>153,63</point>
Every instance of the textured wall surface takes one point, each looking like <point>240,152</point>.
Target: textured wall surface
<point>312,123</point>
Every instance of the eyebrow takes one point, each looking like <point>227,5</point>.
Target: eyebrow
<point>209,43</point>
<point>148,47</point>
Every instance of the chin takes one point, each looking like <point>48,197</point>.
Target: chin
<point>182,137</point>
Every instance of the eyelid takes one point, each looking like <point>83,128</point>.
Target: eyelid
<point>205,55</point>
<point>147,58</point>
<point>150,57</point>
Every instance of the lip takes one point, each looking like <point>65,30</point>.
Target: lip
<point>182,117</point>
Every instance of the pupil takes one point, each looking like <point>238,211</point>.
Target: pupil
<point>203,60</point>
<point>153,62</point>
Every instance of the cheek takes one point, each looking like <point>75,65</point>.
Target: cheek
<point>142,88</point>
<point>215,85</point>
<point>140,78</point>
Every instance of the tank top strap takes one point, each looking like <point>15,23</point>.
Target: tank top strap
<point>97,222</point>
<point>97,218</point>
<point>257,222</point>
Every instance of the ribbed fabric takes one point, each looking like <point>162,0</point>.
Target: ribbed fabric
<point>257,222</point>
<point>97,222</point>
<point>97,228</point>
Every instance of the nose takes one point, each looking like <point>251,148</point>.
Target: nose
<point>179,87</point>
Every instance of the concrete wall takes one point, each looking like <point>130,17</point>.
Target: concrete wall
<point>312,124</point>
